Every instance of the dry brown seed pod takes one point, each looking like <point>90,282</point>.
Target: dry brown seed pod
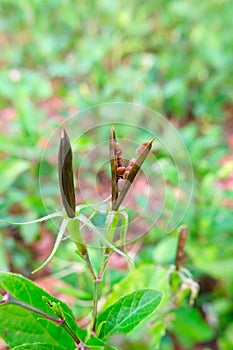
<point>141,147</point>
<point>132,174</point>
<point>66,177</point>
<point>114,164</point>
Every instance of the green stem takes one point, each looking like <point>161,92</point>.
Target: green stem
<point>71,333</point>
<point>9,299</point>
<point>96,283</point>
<point>105,263</point>
<point>89,267</point>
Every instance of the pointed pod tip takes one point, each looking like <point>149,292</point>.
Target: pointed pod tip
<point>112,133</point>
<point>151,141</point>
<point>63,134</point>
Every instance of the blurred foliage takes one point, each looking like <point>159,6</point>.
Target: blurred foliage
<point>174,57</point>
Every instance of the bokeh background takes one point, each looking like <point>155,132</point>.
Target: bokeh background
<point>175,57</point>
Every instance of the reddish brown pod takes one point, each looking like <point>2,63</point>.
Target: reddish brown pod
<point>120,172</point>
<point>141,147</point>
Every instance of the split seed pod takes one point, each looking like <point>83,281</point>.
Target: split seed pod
<point>122,177</point>
<point>131,174</point>
<point>66,177</point>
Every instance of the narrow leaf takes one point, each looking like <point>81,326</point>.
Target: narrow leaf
<point>44,218</point>
<point>128,312</point>
<point>56,245</point>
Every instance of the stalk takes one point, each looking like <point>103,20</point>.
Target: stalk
<point>9,299</point>
<point>96,283</point>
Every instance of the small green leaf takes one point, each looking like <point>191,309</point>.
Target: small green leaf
<point>98,344</point>
<point>128,312</point>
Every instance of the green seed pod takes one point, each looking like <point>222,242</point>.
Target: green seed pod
<point>65,172</point>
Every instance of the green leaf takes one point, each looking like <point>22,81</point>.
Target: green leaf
<point>56,245</point>
<point>20,326</point>
<point>98,344</point>
<point>128,312</point>
<point>145,276</point>
<point>38,346</point>
<point>95,342</point>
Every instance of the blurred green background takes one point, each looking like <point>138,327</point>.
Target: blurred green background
<point>60,56</point>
